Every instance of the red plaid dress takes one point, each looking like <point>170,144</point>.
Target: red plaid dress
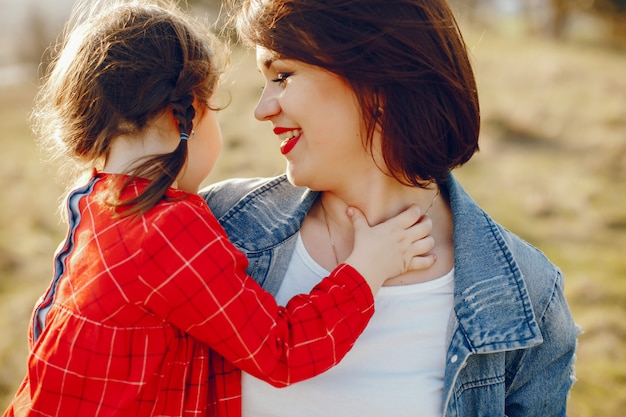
<point>154,316</point>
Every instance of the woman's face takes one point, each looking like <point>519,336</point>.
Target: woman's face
<point>316,116</point>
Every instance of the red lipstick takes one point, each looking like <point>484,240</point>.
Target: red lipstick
<point>279,130</point>
<point>287,144</point>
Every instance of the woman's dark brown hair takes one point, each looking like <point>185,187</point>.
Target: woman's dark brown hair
<point>406,61</point>
<point>120,66</point>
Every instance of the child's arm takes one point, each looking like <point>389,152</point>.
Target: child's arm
<point>203,290</point>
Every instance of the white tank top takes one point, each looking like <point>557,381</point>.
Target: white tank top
<point>396,367</point>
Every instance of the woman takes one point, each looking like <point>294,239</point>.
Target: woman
<point>375,103</point>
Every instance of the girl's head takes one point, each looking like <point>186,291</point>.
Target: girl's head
<point>121,65</point>
<point>406,62</point>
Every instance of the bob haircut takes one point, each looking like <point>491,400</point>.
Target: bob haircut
<point>406,61</point>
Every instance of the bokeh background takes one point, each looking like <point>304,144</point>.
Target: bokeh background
<point>552,165</point>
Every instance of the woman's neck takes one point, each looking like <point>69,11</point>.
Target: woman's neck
<point>378,200</point>
<point>329,235</point>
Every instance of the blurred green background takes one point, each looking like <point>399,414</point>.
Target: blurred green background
<point>552,165</point>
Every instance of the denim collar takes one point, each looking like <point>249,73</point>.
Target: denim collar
<point>491,301</point>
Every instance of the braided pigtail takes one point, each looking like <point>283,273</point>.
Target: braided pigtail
<point>163,169</point>
<point>121,66</point>
<point>187,72</point>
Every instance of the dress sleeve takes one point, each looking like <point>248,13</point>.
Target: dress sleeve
<point>196,280</point>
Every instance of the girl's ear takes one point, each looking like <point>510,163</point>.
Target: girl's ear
<point>172,118</point>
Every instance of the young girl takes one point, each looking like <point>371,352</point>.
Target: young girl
<point>150,309</point>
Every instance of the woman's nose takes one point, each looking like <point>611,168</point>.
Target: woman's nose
<point>267,106</point>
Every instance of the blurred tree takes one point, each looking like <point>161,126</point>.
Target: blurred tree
<point>560,9</point>
<point>35,39</point>
<point>553,17</point>
<point>615,6</point>
<point>613,12</point>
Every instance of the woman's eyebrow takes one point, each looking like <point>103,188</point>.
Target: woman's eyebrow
<point>268,62</point>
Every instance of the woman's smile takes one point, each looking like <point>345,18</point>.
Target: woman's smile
<point>289,138</point>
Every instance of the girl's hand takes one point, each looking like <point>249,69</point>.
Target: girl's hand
<point>391,248</point>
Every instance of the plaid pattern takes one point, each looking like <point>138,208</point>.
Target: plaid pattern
<point>154,316</point>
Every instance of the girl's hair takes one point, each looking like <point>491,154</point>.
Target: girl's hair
<point>120,65</point>
<point>406,62</point>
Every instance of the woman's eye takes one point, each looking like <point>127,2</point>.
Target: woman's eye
<point>281,77</point>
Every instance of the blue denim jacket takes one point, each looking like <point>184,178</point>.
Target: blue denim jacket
<point>511,336</point>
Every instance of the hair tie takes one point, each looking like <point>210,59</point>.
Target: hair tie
<point>185,136</point>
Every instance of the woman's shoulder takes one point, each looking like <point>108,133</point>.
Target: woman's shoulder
<point>471,224</point>
<point>542,277</point>
<point>532,260</point>
<point>243,185</point>
<point>485,244</point>
<point>258,213</point>
<point>240,193</point>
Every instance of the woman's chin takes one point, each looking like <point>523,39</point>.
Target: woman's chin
<point>295,178</point>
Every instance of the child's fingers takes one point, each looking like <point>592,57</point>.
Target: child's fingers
<point>358,218</point>
<point>422,246</point>
<point>421,229</point>
<point>421,262</point>
<point>408,217</point>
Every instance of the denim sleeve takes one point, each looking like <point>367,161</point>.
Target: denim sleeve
<point>538,379</point>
